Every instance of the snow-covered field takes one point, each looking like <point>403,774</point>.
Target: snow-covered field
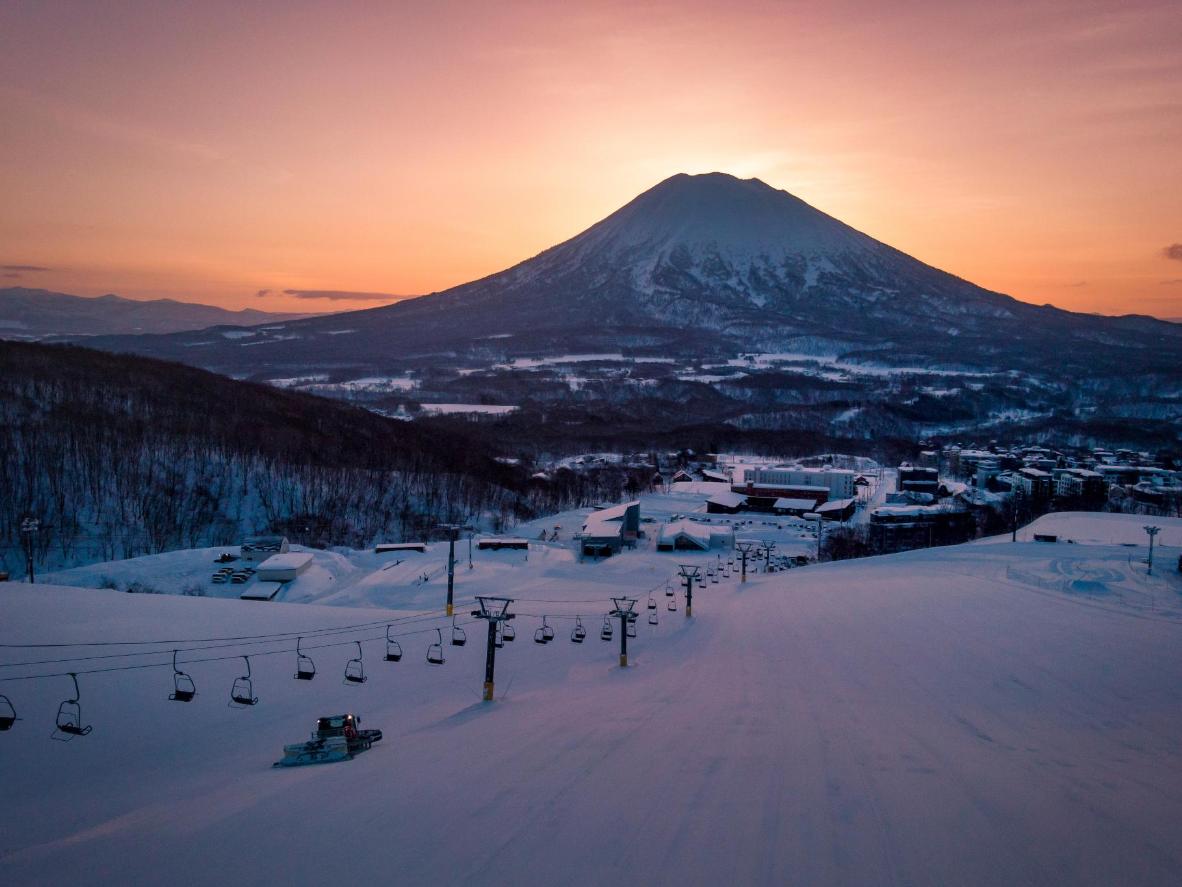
<point>1111,529</point>
<point>947,716</point>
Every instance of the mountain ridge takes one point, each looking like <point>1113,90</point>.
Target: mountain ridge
<point>34,313</point>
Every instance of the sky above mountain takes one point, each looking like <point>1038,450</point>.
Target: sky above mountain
<point>328,156</point>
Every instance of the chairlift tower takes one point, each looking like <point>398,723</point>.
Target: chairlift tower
<point>1152,531</point>
<point>768,548</point>
<point>688,575</point>
<point>453,533</point>
<point>496,611</point>
<point>745,549</point>
<point>624,612</point>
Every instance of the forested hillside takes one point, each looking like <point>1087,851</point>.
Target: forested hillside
<point>119,456</point>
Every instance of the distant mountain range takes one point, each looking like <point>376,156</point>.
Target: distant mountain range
<point>711,301</point>
<point>41,314</point>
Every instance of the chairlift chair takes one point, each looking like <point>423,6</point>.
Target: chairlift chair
<point>672,605</point>
<point>393,648</point>
<point>668,589</point>
<point>652,617</point>
<point>499,637</point>
<point>579,633</point>
<point>7,713</point>
<point>305,667</point>
<point>69,717</point>
<point>435,651</point>
<point>508,632</point>
<point>544,634</point>
<point>630,627</point>
<point>242,692</point>
<point>714,578</point>
<point>355,668</point>
<point>605,633</point>
<point>183,688</point>
<point>652,604</point>
<point>458,636</point>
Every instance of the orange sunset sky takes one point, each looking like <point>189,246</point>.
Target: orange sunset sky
<point>210,151</point>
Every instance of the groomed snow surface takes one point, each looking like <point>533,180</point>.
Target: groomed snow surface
<point>967,715</point>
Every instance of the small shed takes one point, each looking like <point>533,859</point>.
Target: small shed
<point>687,535</point>
<point>837,509</point>
<point>385,547</point>
<point>726,503</point>
<point>502,542</point>
<point>284,567</point>
<point>261,591</point>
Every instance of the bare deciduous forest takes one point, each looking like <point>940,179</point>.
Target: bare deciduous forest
<point>119,456</point>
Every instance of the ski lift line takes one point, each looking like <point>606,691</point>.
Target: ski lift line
<point>597,600</point>
<point>283,635</point>
<point>168,664</point>
<point>538,600</point>
<point>405,621</point>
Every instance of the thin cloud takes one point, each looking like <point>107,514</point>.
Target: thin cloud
<point>25,268</point>
<point>1173,251</point>
<point>1177,281</point>
<point>11,274</point>
<point>343,295</point>
<point>262,294</point>
<point>84,120</point>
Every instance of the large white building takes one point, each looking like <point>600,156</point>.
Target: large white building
<point>773,481</point>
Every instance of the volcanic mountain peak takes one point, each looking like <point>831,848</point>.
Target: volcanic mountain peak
<point>727,214</point>
<point>695,265</point>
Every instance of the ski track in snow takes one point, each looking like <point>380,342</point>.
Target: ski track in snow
<point>915,719</point>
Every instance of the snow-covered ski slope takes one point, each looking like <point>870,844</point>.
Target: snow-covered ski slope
<point>985,714</point>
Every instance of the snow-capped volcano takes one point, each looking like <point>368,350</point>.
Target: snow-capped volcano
<point>707,264</point>
<point>737,216</point>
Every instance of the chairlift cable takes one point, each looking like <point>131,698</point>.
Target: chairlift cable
<point>249,637</point>
<point>168,663</point>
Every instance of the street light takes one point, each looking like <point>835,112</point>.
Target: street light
<point>1152,531</point>
<point>812,515</point>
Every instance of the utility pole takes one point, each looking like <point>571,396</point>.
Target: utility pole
<point>1152,531</point>
<point>30,526</point>
<point>688,575</point>
<point>744,550</point>
<point>496,611</point>
<point>453,533</point>
<point>470,534</point>
<point>624,613</point>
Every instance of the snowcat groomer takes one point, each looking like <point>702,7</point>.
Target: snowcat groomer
<point>336,738</point>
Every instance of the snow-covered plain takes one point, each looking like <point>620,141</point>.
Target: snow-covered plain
<point>949,716</point>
